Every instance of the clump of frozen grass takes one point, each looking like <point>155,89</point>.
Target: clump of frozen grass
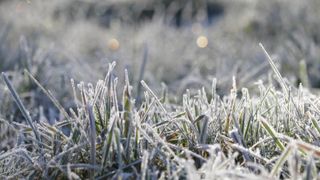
<point>274,134</point>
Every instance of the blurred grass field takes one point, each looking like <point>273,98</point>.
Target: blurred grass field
<point>192,94</point>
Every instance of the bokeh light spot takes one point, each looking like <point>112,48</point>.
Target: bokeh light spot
<point>202,41</point>
<point>114,44</point>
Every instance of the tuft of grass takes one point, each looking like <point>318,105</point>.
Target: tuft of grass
<point>263,135</point>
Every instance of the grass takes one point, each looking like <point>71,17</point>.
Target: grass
<point>218,137</point>
<point>256,115</point>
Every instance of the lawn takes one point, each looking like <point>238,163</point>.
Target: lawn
<point>159,89</point>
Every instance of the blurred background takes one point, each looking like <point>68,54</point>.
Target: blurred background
<point>177,44</point>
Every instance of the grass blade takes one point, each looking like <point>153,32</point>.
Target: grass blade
<point>49,94</point>
<point>314,122</point>
<point>92,139</point>
<point>271,132</point>
<point>276,71</point>
<point>281,161</point>
<point>21,107</point>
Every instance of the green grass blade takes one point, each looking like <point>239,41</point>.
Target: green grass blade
<point>314,122</point>
<point>271,132</point>
<point>284,156</point>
